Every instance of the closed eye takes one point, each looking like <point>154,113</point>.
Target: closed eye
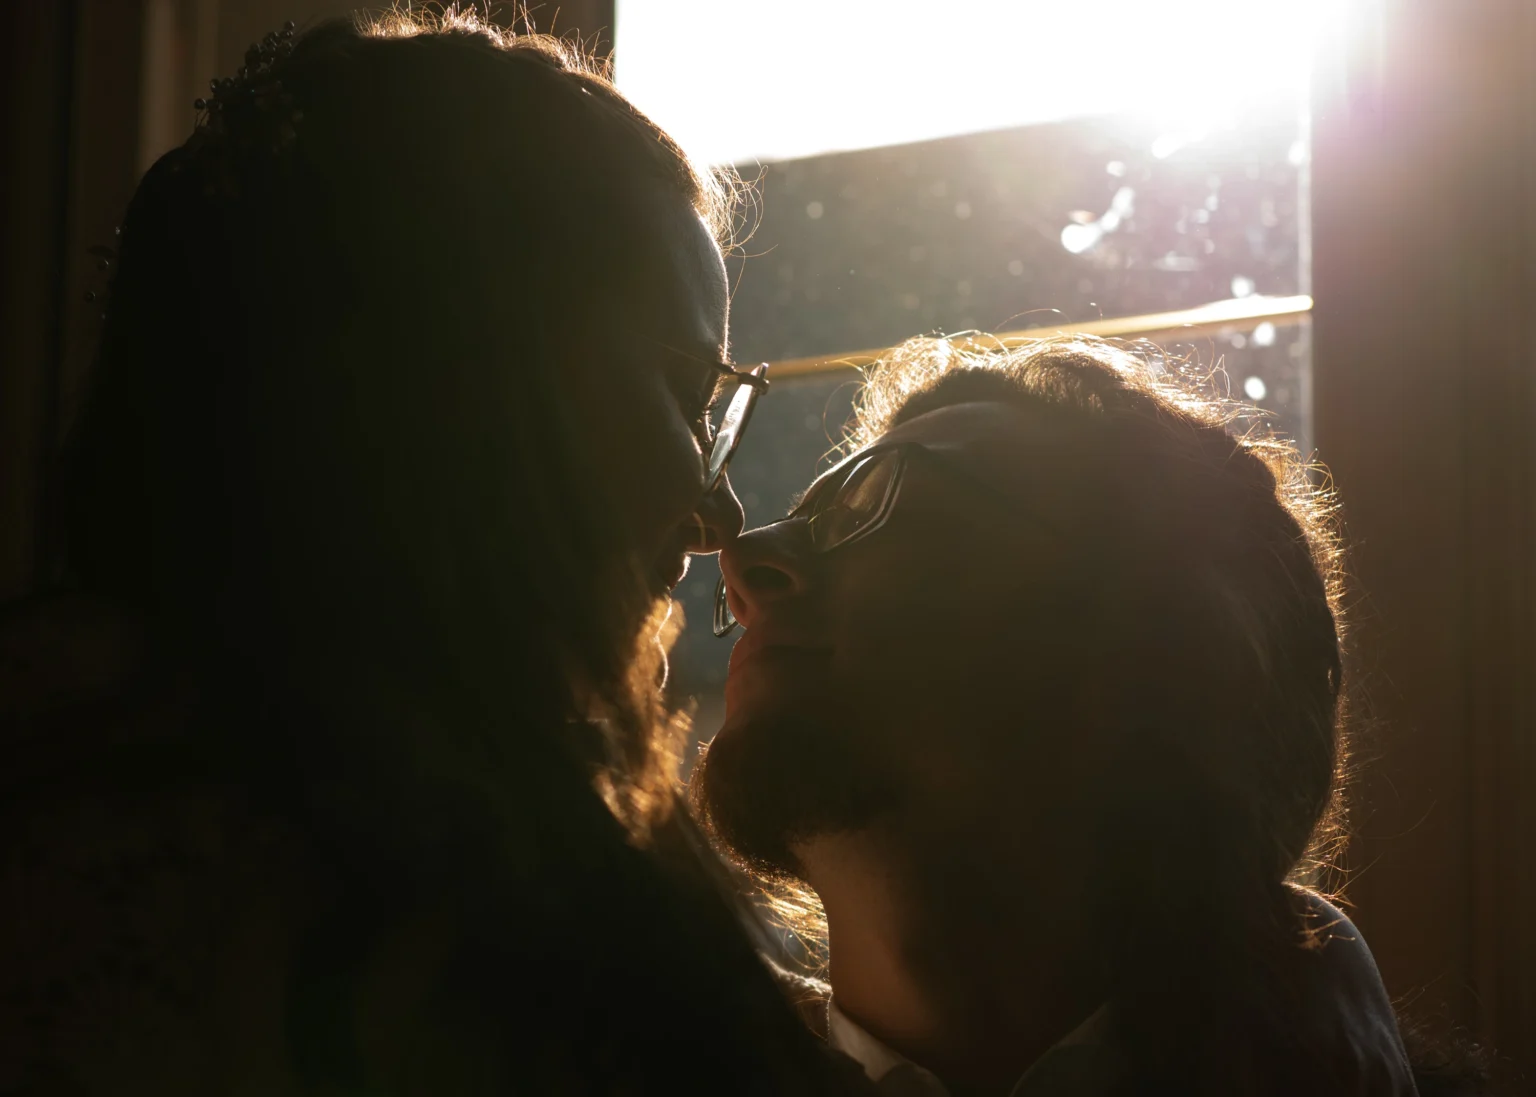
<point>698,388</point>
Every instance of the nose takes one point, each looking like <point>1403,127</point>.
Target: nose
<point>717,521</point>
<point>770,564</point>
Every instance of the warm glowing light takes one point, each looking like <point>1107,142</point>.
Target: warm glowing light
<point>736,81</point>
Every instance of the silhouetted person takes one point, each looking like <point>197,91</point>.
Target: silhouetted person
<point>1041,694</point>
<point>337,766</point>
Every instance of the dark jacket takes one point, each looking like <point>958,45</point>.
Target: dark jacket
<point>178,920</point>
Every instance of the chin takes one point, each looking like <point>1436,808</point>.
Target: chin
<point>781,772</point>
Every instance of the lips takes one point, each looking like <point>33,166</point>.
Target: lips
<point>669,572</point>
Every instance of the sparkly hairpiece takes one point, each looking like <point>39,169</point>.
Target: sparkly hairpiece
<point>250,114</point>
<point>248,120</point>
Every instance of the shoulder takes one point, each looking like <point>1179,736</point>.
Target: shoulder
<point>1345,957</point>
<point>808,997</point>
<point>1348,1004</point>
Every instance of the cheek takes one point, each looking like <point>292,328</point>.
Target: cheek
<point>915,629</point>
<point>650,463</point>
<point>939,663</point>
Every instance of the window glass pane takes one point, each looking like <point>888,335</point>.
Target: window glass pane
<point>1019,228</point>
<point>1009,166</point>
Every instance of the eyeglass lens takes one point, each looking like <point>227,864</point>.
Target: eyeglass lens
<point>854,505</point>
<point>859,502</point>
<point>733,424</point>
<point>724,619</point>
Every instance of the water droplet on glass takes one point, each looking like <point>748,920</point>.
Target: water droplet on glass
<point>1242,286</point>
<point>1264,335</point>
<point>1116,168</point>
<point>814,210</point>
<point>1255,388</point>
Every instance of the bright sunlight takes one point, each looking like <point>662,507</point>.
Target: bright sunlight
<point>737,81</point>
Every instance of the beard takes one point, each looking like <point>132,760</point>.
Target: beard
<point>774,780</point>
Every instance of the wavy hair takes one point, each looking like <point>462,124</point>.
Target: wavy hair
<point>1223,628</point>
<point>324,434</point>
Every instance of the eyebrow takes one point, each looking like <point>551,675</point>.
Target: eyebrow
<point>818,485</point>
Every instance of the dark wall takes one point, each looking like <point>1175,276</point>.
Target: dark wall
<point>1425,408</point>
<point>72,72</point>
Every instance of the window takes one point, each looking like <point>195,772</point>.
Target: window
<point>1001,166</point>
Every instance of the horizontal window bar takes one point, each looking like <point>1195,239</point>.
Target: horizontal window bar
<point>1203,321</point>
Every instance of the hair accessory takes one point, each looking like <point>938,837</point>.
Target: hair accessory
<point>252,113</point>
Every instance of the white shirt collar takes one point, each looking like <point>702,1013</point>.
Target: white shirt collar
<point>895,1073</point>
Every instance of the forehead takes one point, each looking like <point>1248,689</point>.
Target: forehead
<point>1028,452</point>
<point>685,301</point>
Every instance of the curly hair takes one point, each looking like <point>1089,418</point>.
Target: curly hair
<point>1229,517</point>
<point>1211,575</point>
<point>716,192</point>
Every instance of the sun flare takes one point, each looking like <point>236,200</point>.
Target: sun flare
<point>737,81</point>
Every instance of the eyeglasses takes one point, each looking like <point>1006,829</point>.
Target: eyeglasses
<point>750,384</point>
<point>853,500</point>
<point>720,443</point>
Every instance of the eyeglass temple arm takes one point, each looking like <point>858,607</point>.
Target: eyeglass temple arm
<point>754,376</point>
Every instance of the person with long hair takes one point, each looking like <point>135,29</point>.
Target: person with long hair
<point>335,761</point>
<point>1038,725</point>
